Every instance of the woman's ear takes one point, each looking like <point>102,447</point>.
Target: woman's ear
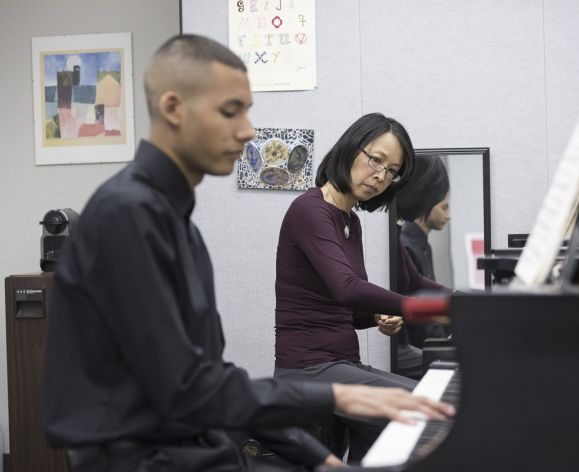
<point>171,107</point>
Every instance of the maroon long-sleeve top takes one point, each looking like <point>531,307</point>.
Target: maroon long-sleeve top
<point>322,289</point>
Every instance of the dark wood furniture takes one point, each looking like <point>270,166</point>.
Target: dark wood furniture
<point>27,301</point>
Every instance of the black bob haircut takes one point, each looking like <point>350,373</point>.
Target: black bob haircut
<point>337,164</point>
<point>427,188</point>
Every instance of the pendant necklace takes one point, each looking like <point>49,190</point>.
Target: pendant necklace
<point>346,225</point>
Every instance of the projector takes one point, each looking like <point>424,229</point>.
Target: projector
<point>56,228</point>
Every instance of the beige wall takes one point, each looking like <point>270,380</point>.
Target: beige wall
<point>27,192</point>
<point>501,74</point>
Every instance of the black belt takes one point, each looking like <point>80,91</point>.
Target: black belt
<point>100,453</point>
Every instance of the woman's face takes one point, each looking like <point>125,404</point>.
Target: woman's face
<point>367,182</point>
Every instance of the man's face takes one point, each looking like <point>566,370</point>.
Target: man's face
<point>215,123</point>
<point>439,215</point>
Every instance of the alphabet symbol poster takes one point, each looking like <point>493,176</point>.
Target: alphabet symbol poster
<point>276,39</point>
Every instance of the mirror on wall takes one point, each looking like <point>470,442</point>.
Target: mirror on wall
<point>467,234</point>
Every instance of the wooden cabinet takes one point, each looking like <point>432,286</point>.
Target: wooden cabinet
<point>27,301</point>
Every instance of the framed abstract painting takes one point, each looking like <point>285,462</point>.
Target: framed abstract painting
<point>83,98</point>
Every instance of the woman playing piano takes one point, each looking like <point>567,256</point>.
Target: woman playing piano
<point>322,290</point>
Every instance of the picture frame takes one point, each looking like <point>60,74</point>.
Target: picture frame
<point>83,98</point>
<point>277,159</point>
<point>469,175</point>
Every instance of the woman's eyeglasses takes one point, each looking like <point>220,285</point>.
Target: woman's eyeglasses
<point>377,165</point>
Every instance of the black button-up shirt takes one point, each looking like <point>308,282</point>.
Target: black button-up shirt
<point>135,342</point>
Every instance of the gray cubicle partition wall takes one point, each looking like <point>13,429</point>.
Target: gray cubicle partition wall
<point>494,73</point>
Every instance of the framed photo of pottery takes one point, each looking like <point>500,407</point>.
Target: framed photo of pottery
<point>277,158</point>
<point>83,98</point>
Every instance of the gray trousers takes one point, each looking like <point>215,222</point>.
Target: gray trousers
<point>362,432</point>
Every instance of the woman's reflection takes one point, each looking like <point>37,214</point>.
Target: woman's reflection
<point>427,194</point>
<point>422,206</point>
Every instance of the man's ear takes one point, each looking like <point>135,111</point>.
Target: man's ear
<point>171,107</point>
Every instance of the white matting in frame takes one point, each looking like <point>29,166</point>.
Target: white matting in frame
<point>83,98</point>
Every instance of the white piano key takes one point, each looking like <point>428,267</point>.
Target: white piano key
<point>398,440</point>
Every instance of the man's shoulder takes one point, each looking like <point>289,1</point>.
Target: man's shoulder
<point>124,191</point>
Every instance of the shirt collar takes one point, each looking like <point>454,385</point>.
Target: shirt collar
<point>165,175</point>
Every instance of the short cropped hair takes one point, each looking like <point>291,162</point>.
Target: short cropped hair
<point>200,48</point>
<point>184,50</point>
<point>337,164</point>
<point>427,188</point>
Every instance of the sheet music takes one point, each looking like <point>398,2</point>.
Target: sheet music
<point>553,220</point>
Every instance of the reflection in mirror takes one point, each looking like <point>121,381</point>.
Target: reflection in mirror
<point>455,247</point>
<point>467,234</point>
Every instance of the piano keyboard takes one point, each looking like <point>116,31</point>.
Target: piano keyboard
<point>402,443</point>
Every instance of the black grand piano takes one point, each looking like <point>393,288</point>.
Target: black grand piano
<point>518,356</point>
<point>515,386</point>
